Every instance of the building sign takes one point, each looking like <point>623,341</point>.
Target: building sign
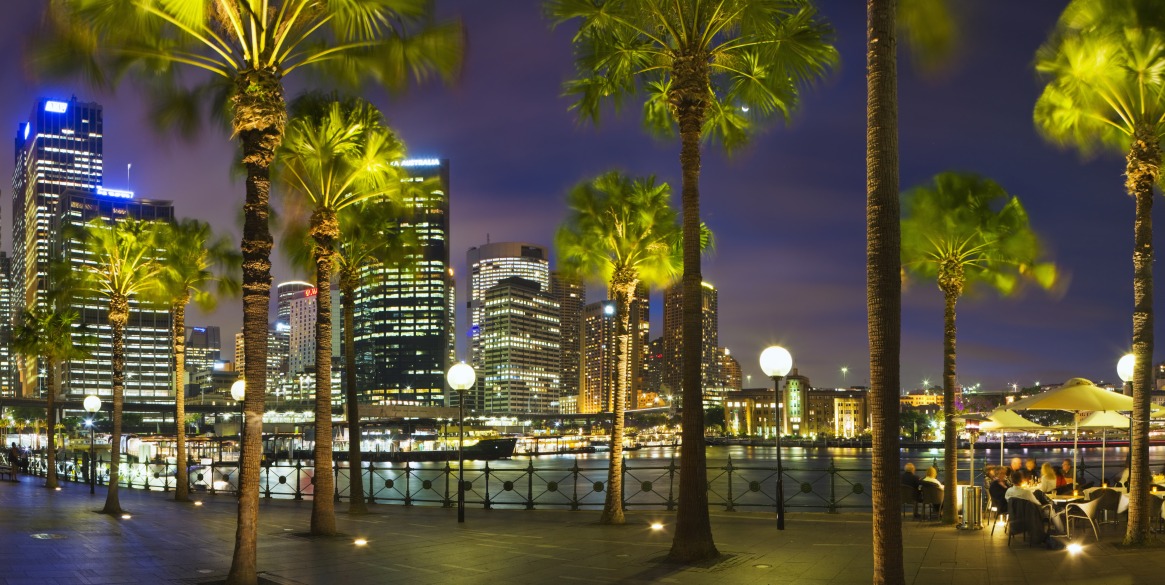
<point>119,193</point>
<point>56,107</point>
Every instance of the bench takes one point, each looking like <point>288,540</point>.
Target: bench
<point>6,470</point>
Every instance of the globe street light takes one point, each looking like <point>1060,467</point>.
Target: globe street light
<point>1124,369</point>
<point>776,362</point>
<point>92,404</point>
<point>461,378</point>
<point>239,393</point>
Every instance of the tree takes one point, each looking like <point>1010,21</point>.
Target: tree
<point>337,154</point>
<point>929,29</point>
<point>1104,64</point>
<point>963,230</point>
<point>48,332</point>
<point>242,50</point>
<point>717,69</point>
<point>190,256</point>
<point>623,232</point>
<point>125,267</point>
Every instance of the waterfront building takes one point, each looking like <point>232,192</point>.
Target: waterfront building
<point>571,296</point>
<point>599,367</point>
<point>59,148</point>
<point>203,352</point>
<point>488,265</point>
<point>653,374</point>
<point>301,334</point>
<point>521,357</point>
<point>712,387</point>
<point>8,377</point>
<point>827,412</point>
<point>795,395</point>
<point>148,333</point>
<point>286,292</point>
<point>404,318</point>
<point>922,398</point>
<point>277,355</point>
<point>731,375</point>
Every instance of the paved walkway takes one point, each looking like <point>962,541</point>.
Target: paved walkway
<point>55,538</point>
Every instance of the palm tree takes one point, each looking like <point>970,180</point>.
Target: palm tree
<point>1105,69</point>
<point>928,28</point>
<point>243,50</point>
<point>190,254</point>
<point>48,332</point>
<point>336,155</point>
<point>125,268</point>
<point>624,232</point>
<point>964,230</point>
<point>712,68</point>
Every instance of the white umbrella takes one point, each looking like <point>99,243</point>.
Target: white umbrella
<point>1002,421</point>
<point>1104,420</point>
<point>1076,395</point>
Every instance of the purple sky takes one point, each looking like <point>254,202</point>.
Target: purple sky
<point>789,211</point>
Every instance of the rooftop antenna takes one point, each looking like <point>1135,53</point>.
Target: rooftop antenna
<point>127,167</point>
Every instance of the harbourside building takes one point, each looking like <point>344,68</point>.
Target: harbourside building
<point>571,296</point>
<point>520,349</point>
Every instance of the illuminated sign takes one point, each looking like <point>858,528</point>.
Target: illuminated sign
<point>119,193</point>
<point>418,162</point>
<point>311,292</point>
<point>56,107</point>
<point>27,128</point>
<point>282,327</point>
<point>199,329</point>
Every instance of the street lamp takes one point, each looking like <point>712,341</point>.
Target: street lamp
<point>92,404</point>
<point>776,362</point>
<point>461,378</point>
<point>239,393</point>
<point>1124,369</point>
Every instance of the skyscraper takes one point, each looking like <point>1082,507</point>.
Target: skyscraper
<point>673,342</point>
<point>287,292</point>
<point>599,367</point>
<point>8,378</point>
<point>301,334</point>
<point>489,264</point>
<point>571,296</point>
<point>203,349</point>
<point>521,357</point>
<point>404,318</point>
<point>59,148</point>
<point>148,372</point>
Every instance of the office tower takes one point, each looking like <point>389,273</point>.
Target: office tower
<point>8,378</point>
<point>203,350</point>
<point>653,374</point>
<point>404,318</point>
<point>599,366</point>
<point>520,341</point>
<point>673,342</point>
<point>571,296</point>
<point>731,375</point>
<point>148,333</point>
<point>276,356</point>
<point>285,293</point>
<point>640,339</point>
<point>489,264</point>
<point>59,148</point>
<point>301,335</point>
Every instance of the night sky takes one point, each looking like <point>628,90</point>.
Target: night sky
<point>789,211</point>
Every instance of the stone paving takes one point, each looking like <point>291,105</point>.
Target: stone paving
<point>49,537</point>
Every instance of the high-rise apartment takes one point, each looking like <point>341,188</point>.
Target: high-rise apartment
<point>571,296</point>
<point>203,349</point>
<point>489,264</point>
<point>520,341</point>
<point>404,318</point>
<point>600,369</point>
<point>8,378</point>
<point>711,388</point>
<point>59,148</point>
<point>301,322</point>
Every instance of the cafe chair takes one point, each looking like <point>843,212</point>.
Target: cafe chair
<point>1155,512</point>
<point>932,499</point>
<point>1109,503</point>
<point>998,507</point>
<point>1084,511</point>
<point>910,498</point>
<point>1025,518</point>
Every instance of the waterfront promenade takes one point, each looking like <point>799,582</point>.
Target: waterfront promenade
<point>51,538</point>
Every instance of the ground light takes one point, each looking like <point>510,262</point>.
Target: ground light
<point>360,542</point>
<point>1075,548</point>
<point>125,516</point>
<point>197,502</point>
<point>657,526</point>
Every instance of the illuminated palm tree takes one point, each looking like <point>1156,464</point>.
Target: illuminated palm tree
<point>1105,69</point>
<point>49,332</point>
<point>713,69</point>
<point>125,268</point>
<point>192,259</point>
<point>243,50</point>
<point>336,155</point>
<point>961,231</point>
<point>625,233</point>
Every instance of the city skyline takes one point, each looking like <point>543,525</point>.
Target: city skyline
<point>788,210</point>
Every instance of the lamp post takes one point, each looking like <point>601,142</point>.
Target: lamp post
<point>1124,369</point>
<point>92,404</point>
<point>461,378</point>
<point>776,362</point>
<point>239,393</point>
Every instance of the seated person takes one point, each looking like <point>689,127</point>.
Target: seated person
<point>1030,473</point>
<point>998,490</point>
<point>1025,494</point>
<point>1016,465</point>
<point>932,476</point>
<point>908,477</point>
<point>1048,480</point>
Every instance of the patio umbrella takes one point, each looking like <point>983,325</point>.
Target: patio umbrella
<point>1076,395</point>
<point>1104,420</point>
<point>1003,421</point>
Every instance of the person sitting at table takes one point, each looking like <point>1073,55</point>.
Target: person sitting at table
<point>1031,473</point>
<point>908,476</point>
<point>1048,479</point>
<point>998,490</point>
<point>932,476</point>
<point>1015,491</point>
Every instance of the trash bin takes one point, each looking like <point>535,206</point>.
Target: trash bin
<point>972,507</point>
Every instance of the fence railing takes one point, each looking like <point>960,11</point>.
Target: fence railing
<point>647,484</point>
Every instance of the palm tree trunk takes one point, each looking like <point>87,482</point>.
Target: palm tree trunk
<point>693,537</point>
<point>118,316</point>
<point>259,116</point>
<point>883,284</point>
<point>325,230</point>
<point>348,281</point>
<point>950,447</point>
<point>51,406</point>
<point>623,288</point>
<point>182,485</point>
<point>1144,161</point>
